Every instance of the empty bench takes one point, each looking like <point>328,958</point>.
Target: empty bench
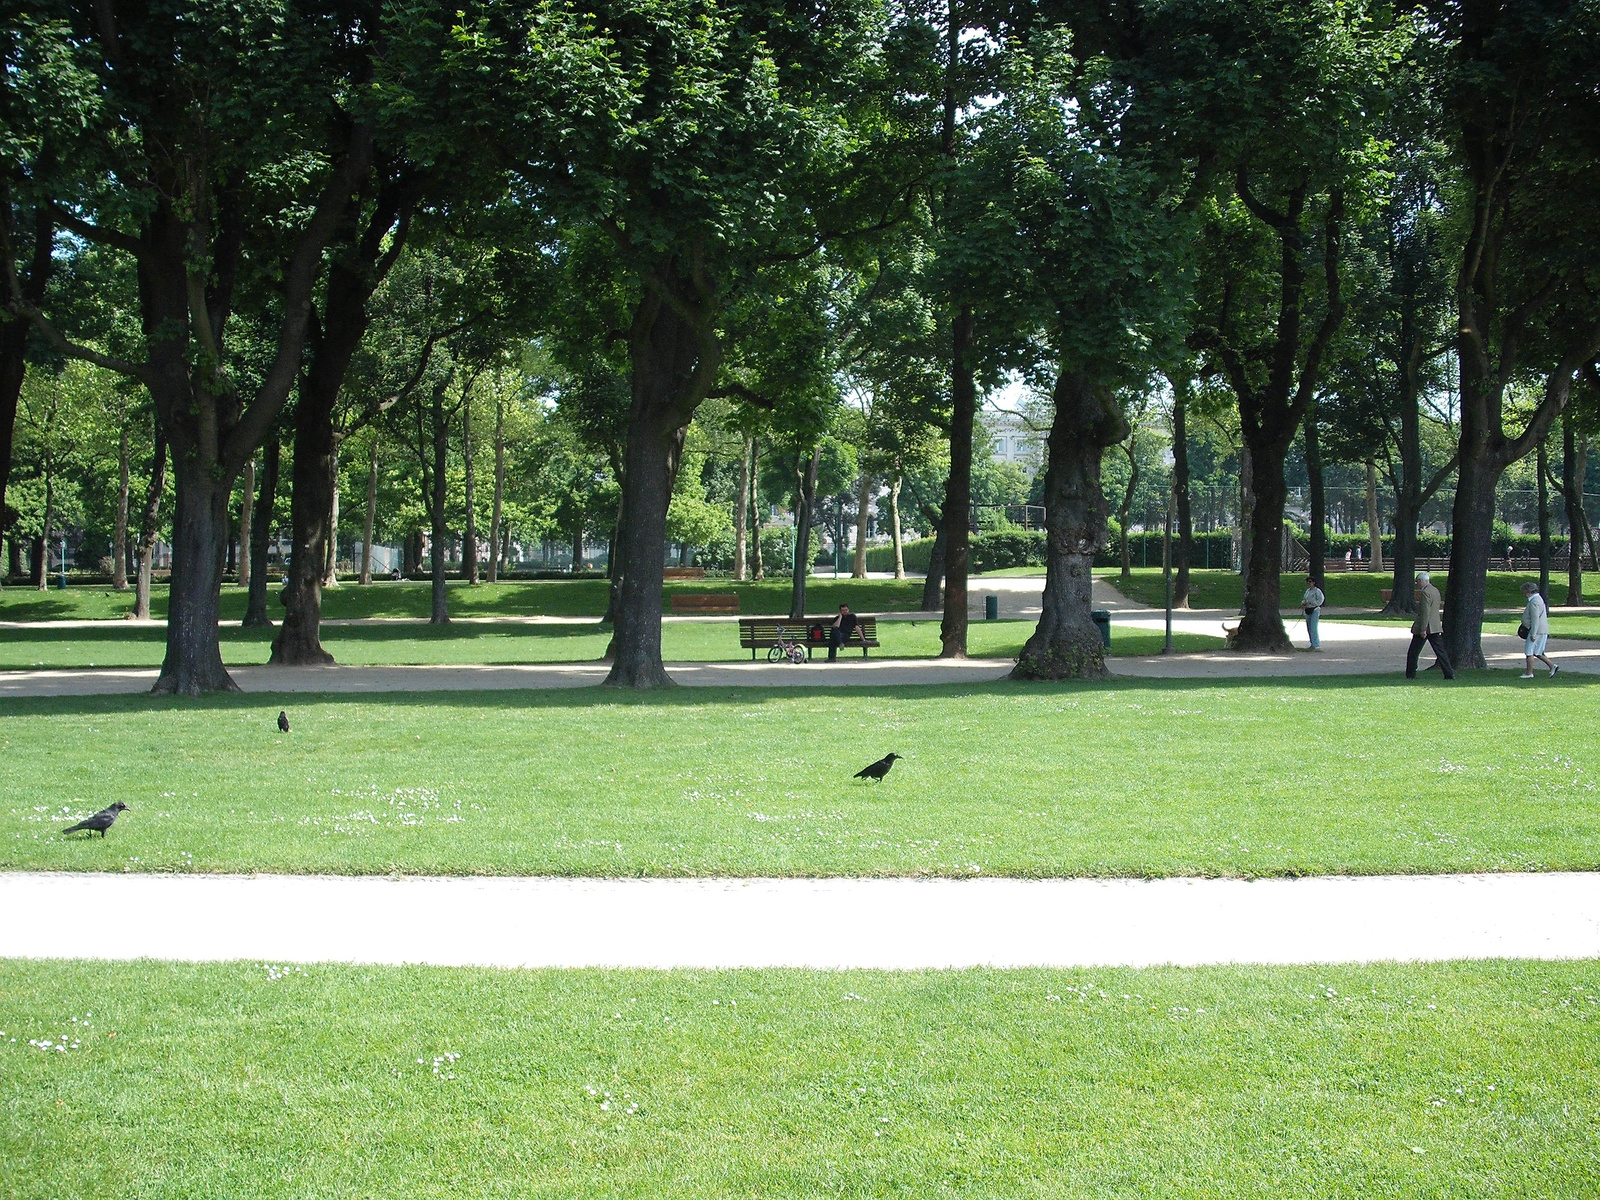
<point>705,604</point>
<point>761,633</point>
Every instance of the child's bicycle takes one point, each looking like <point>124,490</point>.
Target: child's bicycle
<point>783,650</point>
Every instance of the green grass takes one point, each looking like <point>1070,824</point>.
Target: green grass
<point>1141,777</point>
<point>115,645</point>
<point>1353,589</point>
<point>1448,1081</point>
<point>549,597</point>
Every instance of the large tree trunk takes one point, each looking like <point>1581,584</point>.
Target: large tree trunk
<point>1180,492</point>
<point>755,509</point>
<point>330,573</point>
<point>299,641</point>
<point>193,662</point>
<point>958,489</point>
<point>496,512</point>
<point>1261,626</point>
<point>741,513</point>
<point>894,529</point>
<point>1066,644</point>
<point>1374,520</point>
<point>804,511</point>
<point>858,569</point>
<point>1471,534</point>
<point>469,537</point>
<point>37,553</point>
<point>577,546</point>
<point>439,535</point>
<point>673,362</point>
<point>1542,469</point>
<point>1574,463</point>
<point>255,607</point>
<point>1317,541</point>
<point>933,582</point>
<point>148,524</point>
<point>247,507</point>
<point>14,331</point>
<point>119,536</point>
<point>372,514</point>
<point>1247,508</point>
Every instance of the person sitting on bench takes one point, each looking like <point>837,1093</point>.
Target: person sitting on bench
<point>843,626</point>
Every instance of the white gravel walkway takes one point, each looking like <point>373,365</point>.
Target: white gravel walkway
<point>822,923</point>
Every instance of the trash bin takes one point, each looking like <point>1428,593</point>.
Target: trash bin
<point>1102,620</point>
<point>991,608</point>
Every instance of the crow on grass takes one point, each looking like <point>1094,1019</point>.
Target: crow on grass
<point>283,721</point>
<point>100,822</point>
<point>878,769</point>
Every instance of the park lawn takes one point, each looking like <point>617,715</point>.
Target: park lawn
<point>245,1079</point>
<point>1347,589</point>
<point>1134,778</point>
<point>539,597</point>
<point>484,643</point>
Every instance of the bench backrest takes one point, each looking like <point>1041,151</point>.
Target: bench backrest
<point>705,603</point>
<point>763,631</point>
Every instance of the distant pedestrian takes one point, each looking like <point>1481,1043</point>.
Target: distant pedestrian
<point>1510,561</point>
<point>1428,627</point>
<point>1347,560</point>
<point>1535,630</point>
<point>1311,604</point>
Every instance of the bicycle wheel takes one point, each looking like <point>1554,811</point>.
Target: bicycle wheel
<point>776,654</point>
<point>797,654</point>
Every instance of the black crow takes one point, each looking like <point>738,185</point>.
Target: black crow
<point>283,721</point>
<point>100,821</point>
<point>878,769</point>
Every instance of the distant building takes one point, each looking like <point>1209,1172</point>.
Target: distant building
<point>1014,440</point>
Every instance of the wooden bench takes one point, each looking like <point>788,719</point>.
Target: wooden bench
<point>761,633</point>
<point>705,604</point>
<point>683,573</point>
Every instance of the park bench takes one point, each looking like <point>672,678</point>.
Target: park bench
<point>761,633</point>
<point>705,604</point>
<point>683,573</point>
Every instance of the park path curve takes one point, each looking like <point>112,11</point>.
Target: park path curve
<point>816,923</point>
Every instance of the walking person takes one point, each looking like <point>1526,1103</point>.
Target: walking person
<point>1428,627</point>
<point>1535,630</point>
<point>1311,604</point>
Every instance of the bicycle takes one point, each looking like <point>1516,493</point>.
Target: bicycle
<point>783,650</point>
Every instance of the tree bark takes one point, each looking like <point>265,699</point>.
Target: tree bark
<point>299,641</point>
<point>42,567</point>
<point>15,331</point>
<point>933,582</point>
<point>894,529</point>
<point>1180,491</point>
<point>372,514</point>
<point>255,608</point>
<point>1125,509</point>
<point>1261,626</point>
<point>804,509</point>
<point>755,508</point>
<point>148,520</point>
<point>193,661</point>
<point>958,489</point>
<point>469,536</point>
<point>1247,508</point>
<point>1317,542</point>
<point>1374,520</point>
<point>577,546</point>
<point>439,535</point>
<point>119,536</point>
<point>247,507</point>
<point>858,569</point>
<point>496,512</point>
<point>330,572</point>
<point>1574,464</point>
<point>1066,644</point>
<point>741,514</point>
<point>1542,469</point>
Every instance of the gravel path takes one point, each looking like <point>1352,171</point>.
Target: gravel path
<point>822,923</point>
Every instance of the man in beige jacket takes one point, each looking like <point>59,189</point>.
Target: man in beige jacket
<point>1428,627</point>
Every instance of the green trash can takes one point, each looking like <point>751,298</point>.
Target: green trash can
<point>1102,620</point>
<point>991,608</point>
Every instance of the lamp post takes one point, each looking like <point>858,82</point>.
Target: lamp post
<point>1166,570</point>
<point>63,560</point>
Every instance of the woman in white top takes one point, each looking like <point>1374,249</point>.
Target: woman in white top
<point>1311,604</point>
<point>1536,620</point>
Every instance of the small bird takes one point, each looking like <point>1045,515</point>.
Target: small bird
<point>283,721</point>
<point>878,769</point>
<point>100,821</point>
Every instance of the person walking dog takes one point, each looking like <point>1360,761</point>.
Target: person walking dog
<point>1428,627</point>
<point>1311,604</point>
<point>1535,630</point>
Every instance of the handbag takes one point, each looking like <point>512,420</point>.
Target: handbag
<point>1522,632</point>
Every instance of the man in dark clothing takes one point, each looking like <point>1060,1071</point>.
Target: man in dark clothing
<point>1427,628</point>
<point>843,626</point>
